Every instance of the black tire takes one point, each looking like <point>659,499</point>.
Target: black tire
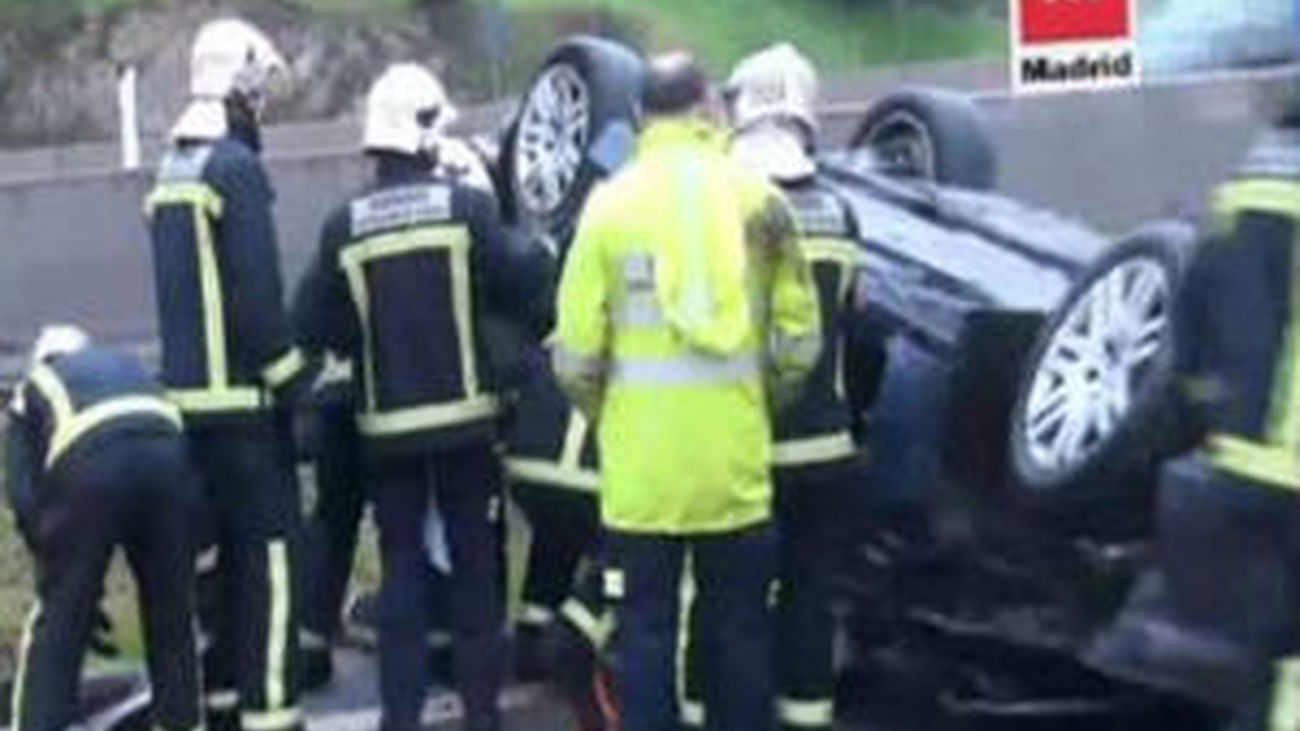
<point>1116,476</point>
<point>611,76</point>
<point>929,134</point>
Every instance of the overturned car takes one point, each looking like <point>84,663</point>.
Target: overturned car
<point>1021,409</point>
<point>1021,397</point>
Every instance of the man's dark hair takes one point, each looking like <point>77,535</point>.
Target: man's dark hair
<point>674,83</point>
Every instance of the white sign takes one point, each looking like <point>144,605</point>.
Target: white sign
<point>1070,45</point>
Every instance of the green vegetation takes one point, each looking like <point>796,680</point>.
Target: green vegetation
<point>839,35</point>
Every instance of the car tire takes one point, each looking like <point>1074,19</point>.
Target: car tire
<point>574,126</point>
<point>1094,405</point>
<point>929,134</point>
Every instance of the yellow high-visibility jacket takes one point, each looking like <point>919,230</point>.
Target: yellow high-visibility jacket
<point>685,311</point>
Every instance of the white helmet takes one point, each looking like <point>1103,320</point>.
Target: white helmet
<point>407,111</point>
<point>56,340</point>
<point>777,83</point>
<point>228,57</point>
<point>771,101</point>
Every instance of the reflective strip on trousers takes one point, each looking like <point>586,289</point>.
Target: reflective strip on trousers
<point>816,714</point>
<point>1284,710</point>
<point>536,615</point>
<point>685,370</point>
<point>793,452</point>
<point>20,677</point>
<point>405,421</point>
<point>596,629</point>
<point>685,639</point>
<point>284,718</point>
<point>222,700</point>
<point>277,644</point>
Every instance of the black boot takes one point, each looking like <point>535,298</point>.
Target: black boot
<point>580,678</point>
<point>480,673</point>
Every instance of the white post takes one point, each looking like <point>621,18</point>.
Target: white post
<point>130,124</point>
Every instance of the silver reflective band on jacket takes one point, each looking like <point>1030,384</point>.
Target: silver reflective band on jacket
<point>685,370</point>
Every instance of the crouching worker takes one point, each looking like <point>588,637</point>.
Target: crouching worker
<point>96,460</point>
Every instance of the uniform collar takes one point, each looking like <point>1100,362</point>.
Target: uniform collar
<point>680,132</point>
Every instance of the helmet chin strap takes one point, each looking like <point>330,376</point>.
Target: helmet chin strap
<point>243,119</point>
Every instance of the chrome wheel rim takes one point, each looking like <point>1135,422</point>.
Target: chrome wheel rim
<point>552,135</point>
<point>1095,365</point>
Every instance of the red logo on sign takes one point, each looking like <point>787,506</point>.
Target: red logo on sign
<point>1051,21</point>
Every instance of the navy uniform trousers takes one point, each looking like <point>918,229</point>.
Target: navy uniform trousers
<point>132,491</point>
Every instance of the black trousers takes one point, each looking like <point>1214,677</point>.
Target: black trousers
<point>247,603</point>
<point>813,529</point>
<point>810,510</point>
<point>466,486</point>
<point>329,537</point>
<point>728,594</point>
<point>565,531</point>
<point>133,491</point>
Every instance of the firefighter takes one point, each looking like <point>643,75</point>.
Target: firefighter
<point>334,446</point>
<point>1237,353</point>
<point>771,98</point>
<point>96,460</point>
<point>230,365</point>
<point>551,463</point>
<point>686,311</point>
<point>405,272</point>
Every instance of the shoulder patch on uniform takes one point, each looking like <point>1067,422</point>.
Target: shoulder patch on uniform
<point>399,208</point>
<point>818,213</point>
<point>184,164</point>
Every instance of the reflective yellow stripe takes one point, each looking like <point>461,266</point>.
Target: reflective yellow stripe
<point>205,204</point>
<point>596,629</point>
<point>20,677</point>
<point>457,242</point>
<point>684,370</point>
<point>1271,465</point>
<point>405,421</point>
<point>614,584</point>
<point>536,615</point>
<point>70,425</point>
<point>844,253</point>
<point>51,388</point>
<point>692,713</point>
<point>826,448</point>
<point>575,435</point>
<point>806,714</point>
<point>549,473</point>
<point>270,720</point>
<point>222,700</point>
<point>463,309</point>
<point>200,195</point>
<point>212,400</point>
<point>685,636</point>
<point>1281,197</point>
<point>68,432</point>
<point>1284,712</point>
<point>277,565</point>
<point>284,368</point>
